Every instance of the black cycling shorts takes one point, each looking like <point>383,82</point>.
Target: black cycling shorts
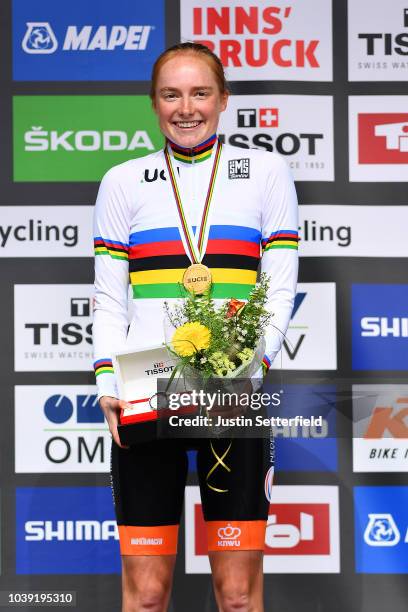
<point>148,482</point>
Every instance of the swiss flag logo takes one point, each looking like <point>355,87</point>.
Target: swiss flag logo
<point>383,138</point>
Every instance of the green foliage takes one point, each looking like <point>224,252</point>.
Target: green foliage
<point>233,338</point>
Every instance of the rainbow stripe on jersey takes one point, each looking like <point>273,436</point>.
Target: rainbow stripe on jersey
<point>157,262</point>
<point>196,154</point>
<point>105,246</point>
<point>282,239</point>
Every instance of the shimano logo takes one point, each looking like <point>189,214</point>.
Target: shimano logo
<point>36,531</point>
<point>37,139</point>
<point>373,327</point>
<point>40,38</point>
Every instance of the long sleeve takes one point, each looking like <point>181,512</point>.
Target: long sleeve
<point>110,317</point>
<point>279,252</point>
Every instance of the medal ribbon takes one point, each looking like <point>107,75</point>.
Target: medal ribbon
<point>194,254</point>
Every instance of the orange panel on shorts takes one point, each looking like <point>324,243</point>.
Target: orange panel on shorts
<point>236,535</point>
<point>161,540</point>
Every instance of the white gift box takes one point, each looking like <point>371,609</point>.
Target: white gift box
<point>137,371</point>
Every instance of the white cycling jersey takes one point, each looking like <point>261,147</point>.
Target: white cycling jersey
<point>140,248</point>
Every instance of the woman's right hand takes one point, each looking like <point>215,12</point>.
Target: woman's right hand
<point>111,408</point>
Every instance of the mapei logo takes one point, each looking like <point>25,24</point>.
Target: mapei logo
<point>381,530</point>
<point>40,38</point>
<point>238,168</point>
<point>383,138</point>
<point>261,117</point>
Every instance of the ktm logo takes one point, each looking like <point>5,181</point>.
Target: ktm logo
<point>385,418</point>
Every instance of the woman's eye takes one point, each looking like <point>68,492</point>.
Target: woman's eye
<point>169,96</point>
<point>201,94</point>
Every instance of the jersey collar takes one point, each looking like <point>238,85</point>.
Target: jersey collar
<point>196,154</point>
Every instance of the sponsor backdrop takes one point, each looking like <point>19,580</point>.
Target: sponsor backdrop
<point>322,83</point>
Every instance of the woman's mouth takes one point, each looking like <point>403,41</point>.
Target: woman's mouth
<point>187,124</point>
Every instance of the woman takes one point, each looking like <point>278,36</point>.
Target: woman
<point>244,203</point>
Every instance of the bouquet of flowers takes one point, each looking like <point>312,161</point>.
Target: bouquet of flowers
<point>225,341</point>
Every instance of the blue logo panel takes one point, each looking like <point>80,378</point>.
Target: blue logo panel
<point>380,327</point>
<point>98,40</point>
<point>69,530</point>
<point>300,447</point>
<point>381,530</point>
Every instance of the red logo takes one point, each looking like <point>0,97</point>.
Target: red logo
<point>292,529</point>
<point>383,420</point>
<point>298,529</point>
<point>268,117</point>
<point>383,138</point>
<point>256,26</point>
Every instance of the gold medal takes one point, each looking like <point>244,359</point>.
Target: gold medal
<point>197,278</point>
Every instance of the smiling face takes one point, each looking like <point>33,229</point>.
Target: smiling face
<point>187,100</point>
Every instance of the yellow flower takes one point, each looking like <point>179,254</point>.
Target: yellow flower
<point>189,338</point>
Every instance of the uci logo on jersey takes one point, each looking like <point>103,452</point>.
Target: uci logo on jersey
<point>238,168</point>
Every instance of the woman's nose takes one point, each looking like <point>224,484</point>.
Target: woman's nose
<point>186,106</point>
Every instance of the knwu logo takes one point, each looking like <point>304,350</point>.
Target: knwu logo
<point>39,38</point>
<point>229,536</point>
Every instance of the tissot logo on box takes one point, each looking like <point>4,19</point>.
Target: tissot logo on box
<point>378,132</point>
<point>310,342</point>
<point>380,428</point>
<point>378,40</point>
<point>302,532</point>
<point>381,529</point>
<point>60,428</point>
<point>78,138</point>
<point>47,231</point>
<point>298,127</point>
<point>52,327</point>
<point>302,447</point>
<point>66,530</point>
<point>380,327</point>
<point>263,41</point>
<point>92,41</point>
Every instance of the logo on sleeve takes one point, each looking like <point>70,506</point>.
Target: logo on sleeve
<point>238,168</point>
